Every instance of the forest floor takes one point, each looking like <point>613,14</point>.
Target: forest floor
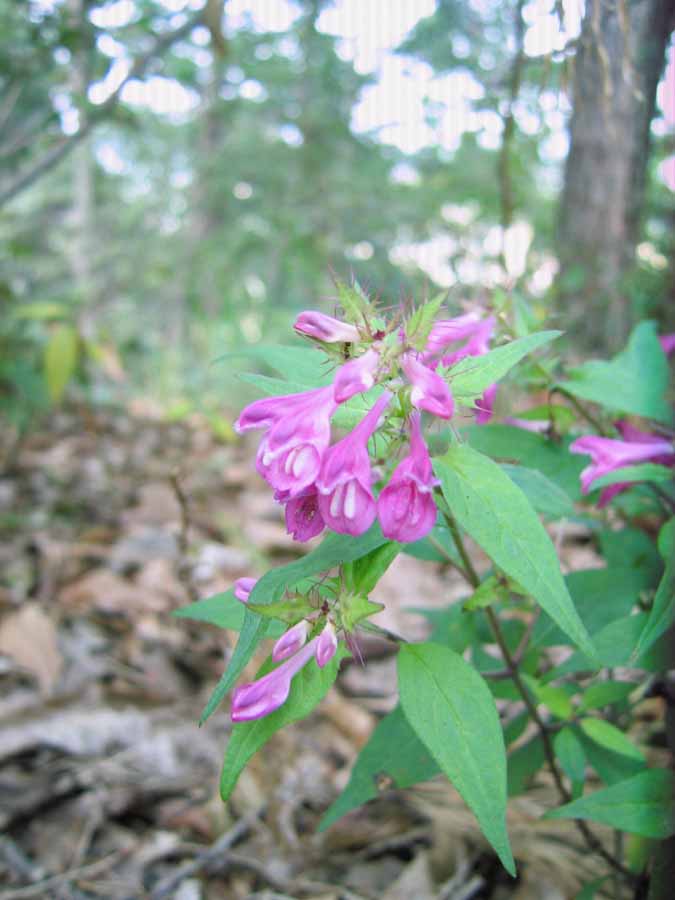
<point>110,789</point>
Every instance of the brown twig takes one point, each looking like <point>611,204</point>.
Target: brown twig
<point>42,888</point>
<point>183,545</point>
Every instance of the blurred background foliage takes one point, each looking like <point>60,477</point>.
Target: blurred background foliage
<point>178,177</point>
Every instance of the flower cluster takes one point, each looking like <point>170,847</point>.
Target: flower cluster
<point>331,485</point>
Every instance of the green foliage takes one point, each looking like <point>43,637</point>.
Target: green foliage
<point>497,515</point>
<point>452,711</point>
<point>334,549</point>
<point>471,376</point>
<point>640,805</point>
<point>393,758</point>
<point>635,381</point>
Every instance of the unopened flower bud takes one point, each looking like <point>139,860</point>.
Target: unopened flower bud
<point>326,645</point>
<point>325,328</point>
<point>291,641</point>
<point>243,588</point>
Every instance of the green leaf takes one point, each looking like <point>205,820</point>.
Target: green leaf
<point>590,889</point>
<point>497,515</point>
<point>544,495</point>
<point>488,592</point>
<point>570,754</point>
<point>610,766</point>
<point>630,474</point>
<point>354,608</point>
<point>393,758</point>
<point>289,609</point>
<point>554,698</point>
<point>451,709</point>
<point>609,736</point>
<point>507,443</point>
<point>363,574</point>
<point>614,644</point>
<point>641,805</point>
<point>590,589</point>
<point>473,374</point>
<point>225,611</point>
<point>605,693</point>
<point>333,550</point>
<point>522,763</point>
<point>354,302</point>
<point>305,366</point>
<point>419,325</point>
<point>662,613</point>
<point>451,627</point>
<point>666,540</point>
<point>60,359</point>
<point>42,311</point>
<point>635,381</point>
<point>308,688</point>
<point>437,546</point>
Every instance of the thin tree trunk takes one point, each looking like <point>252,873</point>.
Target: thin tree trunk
<point>617,69</point>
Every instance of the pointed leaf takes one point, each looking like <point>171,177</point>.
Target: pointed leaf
<point>451,709</point>
<point>497,515</point>
<point>641,805</point>
<point>394,757</point>
<point>635,381</point>
<point>60,359</point>
<point>662,613</point>
<point>474,374</point>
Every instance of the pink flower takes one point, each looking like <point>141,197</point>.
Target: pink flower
<point>608,455</point>
<point>346,500</point>
<point>266,412</point>
<point>261,697</point>
<point>485,406</point>
<point>289,455</point>
<point>445,331</point>
<point>356,376</point>
<point>325,328</point>
<point>303,518</point>
<point>538,426</point>
<point>429,391</point>
<point>406,507</point>
<point>326,645</point>
<point>243,588</point>
<point>668,343</point>
<point>291,641</point>
<point>477,345</point>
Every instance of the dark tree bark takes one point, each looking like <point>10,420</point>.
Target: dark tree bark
<point>619,62</point>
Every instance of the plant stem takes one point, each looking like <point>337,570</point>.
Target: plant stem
<point>512,667</point>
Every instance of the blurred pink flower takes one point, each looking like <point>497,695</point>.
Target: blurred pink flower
<point>609,454</point>
<point>668,340</point>
<point>291,641</point>
<point>325,328</point>
<point>429,391</point>
<point>289,456</point>
<point>356,376</point>
<point>406,507</point>
<point>346,500</point>
<point>303,518</point>
<point>243,588</point>
<point>261,697</point>
<point>326,645</point>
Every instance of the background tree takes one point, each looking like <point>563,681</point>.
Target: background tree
<point>617,67</point>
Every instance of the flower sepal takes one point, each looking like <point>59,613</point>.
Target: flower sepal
<point>289,609</point>
<point>353,608</point>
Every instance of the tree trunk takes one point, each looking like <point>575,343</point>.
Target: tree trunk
<point>617,68</point>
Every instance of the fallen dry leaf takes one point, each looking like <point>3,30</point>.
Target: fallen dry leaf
<point>28,636</point>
